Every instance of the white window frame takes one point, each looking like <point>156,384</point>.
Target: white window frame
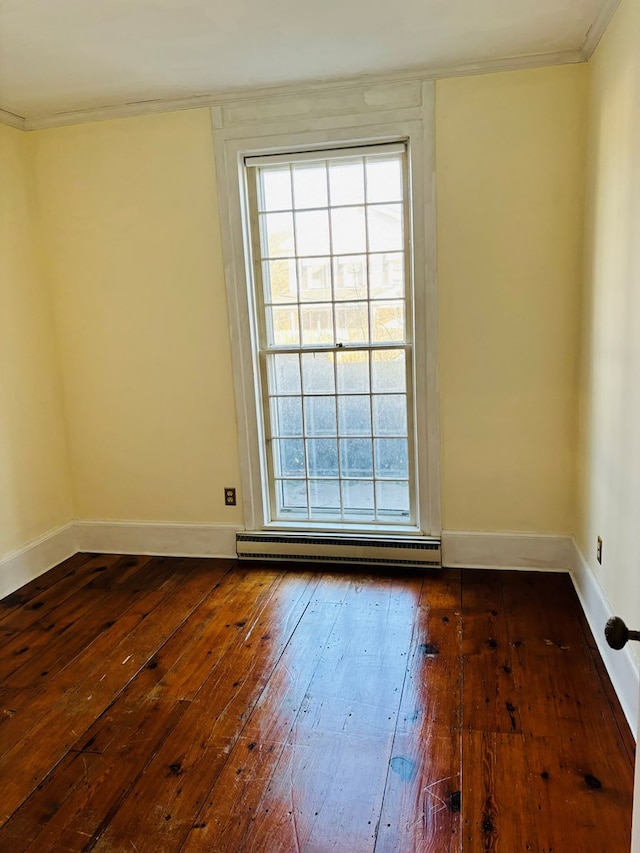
<point>314,119</point>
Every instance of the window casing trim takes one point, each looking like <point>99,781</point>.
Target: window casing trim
<point>277,135</point>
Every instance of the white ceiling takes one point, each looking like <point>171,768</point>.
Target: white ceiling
<point>63,55</point>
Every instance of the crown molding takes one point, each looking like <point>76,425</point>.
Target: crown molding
<point>598,27</point>
<point>214,99</point>
<point>12,120</point>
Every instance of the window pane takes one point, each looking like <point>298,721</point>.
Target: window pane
<point>356,457</point>
<point>333,273</point>
<point>385,228</point>
<point>390,414</point>
<point>317,324</point>
<point>387,322</point>
<point>282,325</point>
<point>310,185</point>
<point>286,416</point>
<point>357,499</point>
<point>346,182</point>
<point>392,498</point>
<point>292,497</point>
<point>350,277</point>
<point>388,371</point>
<point>354,415</point>
<point>317,373</point>
<point>324,498</point>
<point>288,457</point>
<point>279,279</point>
<point>322,456</point>
<point>312,232</point>
<point>353,372</point>
<point>277,233</point>
<point>352,322</point>
<point>386,273</point>
<point>276,189</point>
<point>320,416</point>
<point>392,458</point>
<point>315,279</point>
<point>384,179</point>
<point>284,374</point>
<point>348,230</point>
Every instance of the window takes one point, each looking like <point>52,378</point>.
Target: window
<point>328,227</point>
<point>330,241</point>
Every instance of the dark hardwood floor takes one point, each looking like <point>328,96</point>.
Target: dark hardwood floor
<point>152,704</point>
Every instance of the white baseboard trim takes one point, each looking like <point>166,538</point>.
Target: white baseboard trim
<point>157,538</point>
<point>36,557</point>
<point>463,549</point>
<point>622,666</point>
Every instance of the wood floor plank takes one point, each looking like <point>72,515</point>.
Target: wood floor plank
<point>37,604</point>
<point>28,706</point>
<point>16,600</point>
<point>489,693</point>
<point>497,812</point>
<point>421,809</point>
<point>566,715</point>
<point>87,787</point>
<point>186,768</point>
<point>38,630</point>
<point>562,692</point>
<point>188,658</point>
<point>203,705</point>
<point>27,628</point>
<point>572,811</point>
<point>233,802</point>
<point>326,793</point>
<point>354,693</point>
<point>81,701</point>
<point>53,643</point>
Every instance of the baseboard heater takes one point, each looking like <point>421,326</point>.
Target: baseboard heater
<point>407,551</point>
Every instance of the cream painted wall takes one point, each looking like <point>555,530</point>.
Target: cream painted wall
<point>134,262</point>
<point>34,475</point>
<point>609,493</point>
<point>133,252</point>
<point>510,178</point>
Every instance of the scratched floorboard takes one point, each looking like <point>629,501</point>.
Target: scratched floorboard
<point>173,705</point>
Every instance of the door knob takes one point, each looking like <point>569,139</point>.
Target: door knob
<point>618,634</point>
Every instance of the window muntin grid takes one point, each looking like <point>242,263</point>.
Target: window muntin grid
<point>330,245</point>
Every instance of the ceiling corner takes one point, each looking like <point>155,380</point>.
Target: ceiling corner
<point>598,27</point>
<point>12,120</point>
